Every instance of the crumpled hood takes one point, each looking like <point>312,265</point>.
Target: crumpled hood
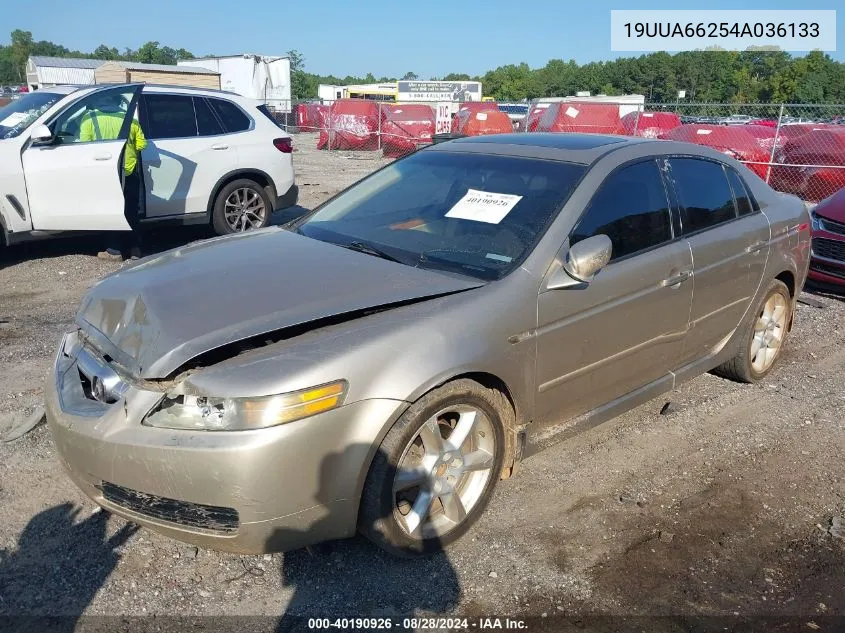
<point>155,316</point>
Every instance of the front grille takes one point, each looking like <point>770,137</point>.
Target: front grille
<point>827,269</point>
<point>833,227</point>
<point>830,249</point>
<point>194,515</point>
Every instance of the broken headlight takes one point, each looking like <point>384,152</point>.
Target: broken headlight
<point>205,413</point>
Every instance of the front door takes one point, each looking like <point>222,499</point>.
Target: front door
<point>626,328</point>
<point>730,245</point>
<point>75,182</point>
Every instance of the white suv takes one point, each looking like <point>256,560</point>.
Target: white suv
<point>207,152</point>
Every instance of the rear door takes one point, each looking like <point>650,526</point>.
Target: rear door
<point>74,184</point>
<point>626,328</point>
<point>730,245</point>
<point>188,151</point>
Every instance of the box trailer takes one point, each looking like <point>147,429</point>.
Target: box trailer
<point>261,77</point>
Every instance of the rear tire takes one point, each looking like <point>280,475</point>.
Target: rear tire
<point>422,491</point>
<point>762,343</point>
<point>242,205</point>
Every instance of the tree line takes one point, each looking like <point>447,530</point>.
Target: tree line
<point>712,76</point>
<point>13,56</point>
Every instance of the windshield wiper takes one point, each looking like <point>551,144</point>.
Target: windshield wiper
<point>369,249</point>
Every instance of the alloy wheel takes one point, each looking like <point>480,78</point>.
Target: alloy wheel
<point>769,331</point>
<point>244,209</point>
<point>443,471</point>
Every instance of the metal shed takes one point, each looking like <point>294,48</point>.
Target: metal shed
<point>45,72</point>
<point>125,72</point>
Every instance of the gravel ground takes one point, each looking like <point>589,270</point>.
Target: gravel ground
<point>727,505</point>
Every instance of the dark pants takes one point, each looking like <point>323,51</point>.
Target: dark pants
<point>133,193</point>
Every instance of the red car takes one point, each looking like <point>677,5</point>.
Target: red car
<point>827,262</point>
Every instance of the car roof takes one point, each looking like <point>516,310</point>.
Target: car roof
<point>573,148</point>
<point>208,92</point>
<point>61,90</point>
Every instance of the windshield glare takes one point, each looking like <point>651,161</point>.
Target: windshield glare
<point>472,214</point>
<point>21,113</point>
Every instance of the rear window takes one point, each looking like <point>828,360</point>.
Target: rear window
<point>234,119</point>
<point>745,202</point>
<point>169,116</point>
<point>705,194</point>
<point>263,109</point>
<point>206,120</point>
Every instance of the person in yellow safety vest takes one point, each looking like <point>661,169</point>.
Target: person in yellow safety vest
<point>104,123</point>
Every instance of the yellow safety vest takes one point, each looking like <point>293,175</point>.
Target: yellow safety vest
<point>105,126</point>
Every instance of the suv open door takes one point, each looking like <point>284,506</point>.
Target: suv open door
<point>74,182</point>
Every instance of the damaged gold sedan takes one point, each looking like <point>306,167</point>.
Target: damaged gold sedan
<point>381,363</point>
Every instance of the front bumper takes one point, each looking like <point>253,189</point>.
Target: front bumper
<point>249,492</point>
<point>827,258</point>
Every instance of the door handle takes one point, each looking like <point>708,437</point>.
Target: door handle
<point>102,157</point>
<point>219,146</point>
<point>757,247</point>
<point>677,279</point>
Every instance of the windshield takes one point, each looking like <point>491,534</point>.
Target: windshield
<point>477,215</point>
<point>21,113</point>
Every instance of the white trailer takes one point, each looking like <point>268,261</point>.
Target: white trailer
<point>255,76</point>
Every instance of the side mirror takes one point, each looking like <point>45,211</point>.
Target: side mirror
<point>41,135</point>
<point>581,262</point>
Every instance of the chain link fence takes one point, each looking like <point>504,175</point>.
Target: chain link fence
<point>796,148</point>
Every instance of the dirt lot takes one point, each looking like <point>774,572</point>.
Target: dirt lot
<point>720,507</point>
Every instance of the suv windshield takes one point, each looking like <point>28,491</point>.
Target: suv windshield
<point>21,113</point>
<point>472,214</point>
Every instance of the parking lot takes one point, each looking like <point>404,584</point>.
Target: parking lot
<point>724,503</point>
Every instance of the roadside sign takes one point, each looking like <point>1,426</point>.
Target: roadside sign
<point>443,119</point>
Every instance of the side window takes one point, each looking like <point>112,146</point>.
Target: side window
<point>169,116</point>
<point>207,123</point>
<point>96,118</point>
<point>744,201</point>
<point>705,195</point>
<point>631,209</point>
<point>234,119</point>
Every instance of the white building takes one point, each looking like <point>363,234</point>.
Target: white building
<point>255,76</point>
<point>45,72</point>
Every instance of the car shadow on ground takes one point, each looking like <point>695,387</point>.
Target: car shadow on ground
<point>353,577</point>
<point>156,240</point>
<point>825,291</point>
<point>59,565</point>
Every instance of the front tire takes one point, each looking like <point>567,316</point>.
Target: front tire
<point>436,468</point>
<point>764,339</point>
<point>242,205</point>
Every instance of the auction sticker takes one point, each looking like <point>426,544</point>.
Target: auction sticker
<point>13,119</point>
<point>483,206</point>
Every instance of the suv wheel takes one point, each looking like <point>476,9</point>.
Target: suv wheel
<point>435,470</point>
<point>242,205</point>
<point>766,334</point>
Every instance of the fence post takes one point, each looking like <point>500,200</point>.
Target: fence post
<point>379,126</point>
<point>774,145</point>
<point>637,119</point>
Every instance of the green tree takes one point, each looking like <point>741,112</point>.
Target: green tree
<point>410,76</point>
<point>21,50</point>
<point>104,52</point>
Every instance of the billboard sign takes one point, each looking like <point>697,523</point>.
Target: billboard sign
<point>439,91</point>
